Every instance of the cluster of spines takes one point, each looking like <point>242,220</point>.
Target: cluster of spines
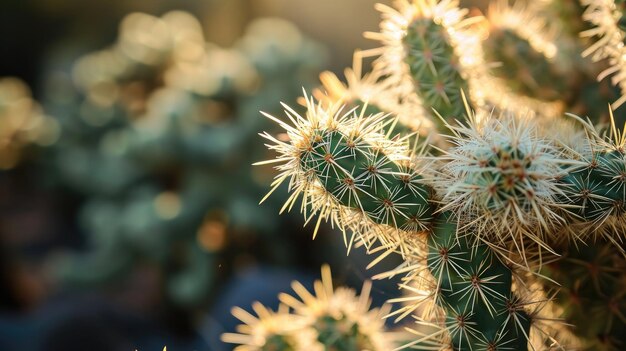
<point>327,319</point>
<point>501,177</point>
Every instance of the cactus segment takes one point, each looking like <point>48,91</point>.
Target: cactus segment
<point>429,53</point>
<point>474,288</point>
<point>524,45</point>
<point>591,291</point>
<point>362,177</point>
<point>348,171</point>
<point>606,17</point>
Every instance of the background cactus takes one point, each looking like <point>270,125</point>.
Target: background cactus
<point>160,156</point>
<point>23,122</point>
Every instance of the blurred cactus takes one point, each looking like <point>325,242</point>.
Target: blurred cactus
<point>524,46</point>
<point>22,122</point>
<point>592,294</point>
<point>151,126</point>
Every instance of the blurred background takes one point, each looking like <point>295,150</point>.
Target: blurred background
<point>129,216</point>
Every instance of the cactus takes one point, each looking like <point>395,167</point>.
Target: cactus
<point>481,220</point>
<point>509,223</point>
<point>428,52</point>
<point>595,189</point>
<point>591,291</point>
<point>474,288</point>
<point>338,159</point>
<point>524,47</point>
<point>346,171</point>
<point>332,319</point>
<point>605,17</point>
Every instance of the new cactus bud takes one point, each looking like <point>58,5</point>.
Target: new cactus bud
<point>502,177</point>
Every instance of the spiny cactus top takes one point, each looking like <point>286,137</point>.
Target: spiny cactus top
<point>268,331</point>
<point>327,319</point>
<point>502,177</point>
<point>428,51</point>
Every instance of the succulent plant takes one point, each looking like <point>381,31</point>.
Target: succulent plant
<point>479,216</point>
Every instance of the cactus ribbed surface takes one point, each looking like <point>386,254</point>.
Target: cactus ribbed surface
<point>434,67</point>
<point>359,175</point>
<point>474,288</point>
